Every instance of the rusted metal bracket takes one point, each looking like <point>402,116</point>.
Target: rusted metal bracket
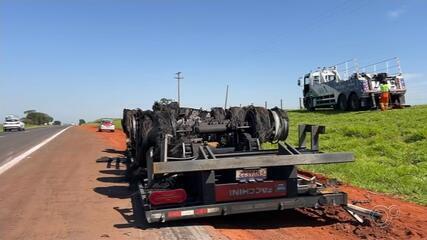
<point>315,130</point>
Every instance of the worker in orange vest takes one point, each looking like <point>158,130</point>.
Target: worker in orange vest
<point>385,94</point>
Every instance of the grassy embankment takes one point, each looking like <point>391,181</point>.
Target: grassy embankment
<point>390,148</point>
<point>118,123</point>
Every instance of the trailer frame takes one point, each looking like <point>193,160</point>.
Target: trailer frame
<point>307,194</point>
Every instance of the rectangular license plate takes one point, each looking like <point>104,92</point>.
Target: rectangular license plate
<point>248,174</point>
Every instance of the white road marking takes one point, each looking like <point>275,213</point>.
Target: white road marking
<point>19,158</point>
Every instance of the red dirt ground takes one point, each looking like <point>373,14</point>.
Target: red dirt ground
<point>116,139</point>
<point>402,220</point>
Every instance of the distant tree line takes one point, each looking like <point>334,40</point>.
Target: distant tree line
<point>36,118</point>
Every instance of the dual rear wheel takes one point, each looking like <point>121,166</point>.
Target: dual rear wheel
<point>342,103</point>
<point>352,103</point>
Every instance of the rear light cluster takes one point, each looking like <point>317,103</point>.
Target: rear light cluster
<point>225,192</point>
<point>168,197</point>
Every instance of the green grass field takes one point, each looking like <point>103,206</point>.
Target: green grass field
<point>390,148</point>
<point>118,123</point>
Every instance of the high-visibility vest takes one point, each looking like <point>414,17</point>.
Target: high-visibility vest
<point>384,87</point>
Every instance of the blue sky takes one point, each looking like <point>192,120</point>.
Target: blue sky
<point>90,59</point>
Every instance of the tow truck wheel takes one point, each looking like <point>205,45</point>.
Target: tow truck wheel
<point>354,102</point>
<point>342,103</point>
<point>308,104</point>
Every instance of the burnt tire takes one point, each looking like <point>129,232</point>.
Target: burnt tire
<point>258,118</point>
<point>236,115</point>
<point>341,104</point>
<point>353,102</point>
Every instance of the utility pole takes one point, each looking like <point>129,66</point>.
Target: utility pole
<point>281,104</point>
<point>179,77</point>
<point>226,98</point>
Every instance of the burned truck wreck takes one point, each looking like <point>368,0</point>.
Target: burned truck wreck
<point>188,162</point>
<point>185,131</point>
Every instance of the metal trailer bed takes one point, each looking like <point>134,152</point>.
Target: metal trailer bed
<point>285,158</point>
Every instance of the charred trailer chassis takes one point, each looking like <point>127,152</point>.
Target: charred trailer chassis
<point>189,163</point>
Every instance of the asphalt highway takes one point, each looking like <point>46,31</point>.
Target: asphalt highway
<point>12,144</point>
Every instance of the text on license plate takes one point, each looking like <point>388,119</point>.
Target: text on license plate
<point>243,174</point>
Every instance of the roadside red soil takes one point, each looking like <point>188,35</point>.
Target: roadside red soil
<point>116,139</point>
<point>402,220</point>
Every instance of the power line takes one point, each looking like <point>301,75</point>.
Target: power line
<point>317,23</point>
<point>179,77</point>
<point>226,98</point>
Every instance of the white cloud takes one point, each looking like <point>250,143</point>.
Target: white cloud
<point>394,14</point>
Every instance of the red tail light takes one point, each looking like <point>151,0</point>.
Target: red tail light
<point>168,197</point>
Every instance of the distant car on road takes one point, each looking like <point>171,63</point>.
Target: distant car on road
<point>106,125</point>
<point>13,123</point>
